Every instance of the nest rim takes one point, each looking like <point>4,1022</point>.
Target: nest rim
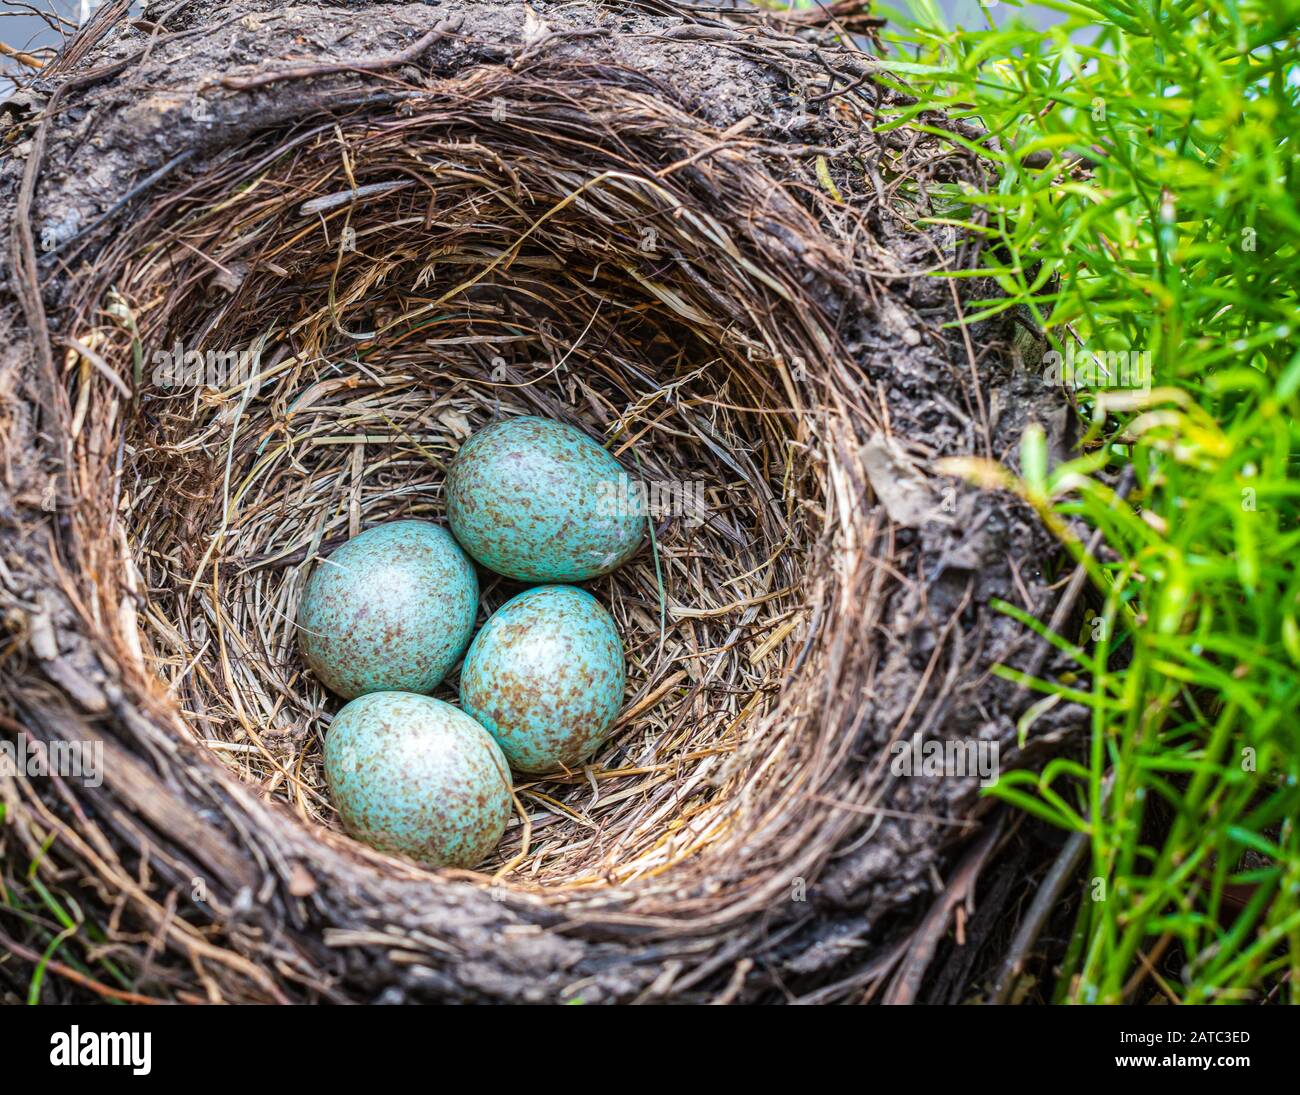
<point>342,229</point>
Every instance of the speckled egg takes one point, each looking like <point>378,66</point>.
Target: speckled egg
<point>413,775</point>
<point>540,501</point>
<point>390,610</point>
<point>545,677</point>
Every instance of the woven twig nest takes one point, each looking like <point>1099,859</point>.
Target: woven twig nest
<point>289,259</point>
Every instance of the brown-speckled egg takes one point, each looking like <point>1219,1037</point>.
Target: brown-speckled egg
<point>545,677</point>
<point>540,501</point>
<point>391,609</point>
<point>415,776</point>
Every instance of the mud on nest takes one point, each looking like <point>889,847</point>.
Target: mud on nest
<point>535,222</point>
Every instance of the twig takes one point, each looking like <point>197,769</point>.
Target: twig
<point>1072,590</point>
<point>28,59</point>
<point>920,952</point>
<point>1041,908</point>
<point>141,187</point>
<point>374,64</point>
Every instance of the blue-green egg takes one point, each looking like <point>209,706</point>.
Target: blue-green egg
<point>545,677</point>
<point>414,776</point>
<point>391,610</point>
<point>540,501</point>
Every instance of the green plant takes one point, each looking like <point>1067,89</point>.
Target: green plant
<point>1144,198</point>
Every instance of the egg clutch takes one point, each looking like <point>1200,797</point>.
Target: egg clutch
<point>386,616</point>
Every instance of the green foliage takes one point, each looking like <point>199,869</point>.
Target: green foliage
<point>1143,196</point>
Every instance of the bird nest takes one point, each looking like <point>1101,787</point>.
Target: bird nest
<point>408,281</point>
<point>339,270</point>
